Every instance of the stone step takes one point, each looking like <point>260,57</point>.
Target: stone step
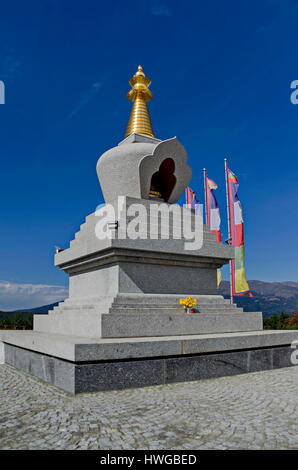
<point>171,298</point>
<point>172,305</point>
<point>141,305</point>
<point>102,308</point>
<point>145,299</point>
<point>142,309</point>
<point>168,311</point>
<point>115,326</point>
<point>91,301</point>
<point>77,307</point>
<point>88,325</point>
<point>146,324</point>
<point>78,311</point>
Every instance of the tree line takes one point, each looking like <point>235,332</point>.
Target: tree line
<point>16,321</point>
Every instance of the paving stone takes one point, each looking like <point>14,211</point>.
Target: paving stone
<point>253,411</point>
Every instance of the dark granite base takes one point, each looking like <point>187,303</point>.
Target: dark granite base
<point>115,375</point>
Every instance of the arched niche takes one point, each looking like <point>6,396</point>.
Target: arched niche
<point>163,181</point>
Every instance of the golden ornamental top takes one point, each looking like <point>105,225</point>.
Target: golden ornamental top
<point>140,84</point>
<point>139,121</point>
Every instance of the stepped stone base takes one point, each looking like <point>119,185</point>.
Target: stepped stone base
<point>87,365</point>
<point>135,315</point>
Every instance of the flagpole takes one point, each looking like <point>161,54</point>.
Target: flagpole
<point>205,194</point>
<point>229,228</point>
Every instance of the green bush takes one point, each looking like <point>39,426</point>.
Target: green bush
<point>282,321</point>
<point>293,321</point>
<point>16,321</point>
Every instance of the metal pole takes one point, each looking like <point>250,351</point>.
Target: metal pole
<point>229,229</point>
<point>205,195</point>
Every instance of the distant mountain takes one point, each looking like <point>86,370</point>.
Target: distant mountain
<point>269,297</point>
<point>43,309</point>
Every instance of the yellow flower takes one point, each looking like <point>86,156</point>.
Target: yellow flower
<point>188,302</point>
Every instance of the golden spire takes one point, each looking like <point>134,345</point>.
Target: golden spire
<point>139,120</point>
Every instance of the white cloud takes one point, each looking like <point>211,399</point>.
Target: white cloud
<point>88,96</point>
<point>15,296</point>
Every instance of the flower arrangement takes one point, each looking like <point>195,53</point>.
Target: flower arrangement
<point>188,303</point>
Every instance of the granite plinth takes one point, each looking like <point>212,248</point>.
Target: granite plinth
<point>81,349</point>
<point>115,375</point>
<point>85,365</point>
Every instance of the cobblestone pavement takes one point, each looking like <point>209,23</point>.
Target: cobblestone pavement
<point>251,411</point>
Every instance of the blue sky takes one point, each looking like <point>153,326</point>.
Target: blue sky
<point>221,74</point>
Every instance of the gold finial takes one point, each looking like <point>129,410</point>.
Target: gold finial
<point>139,121</point>
<point>140,71</point>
